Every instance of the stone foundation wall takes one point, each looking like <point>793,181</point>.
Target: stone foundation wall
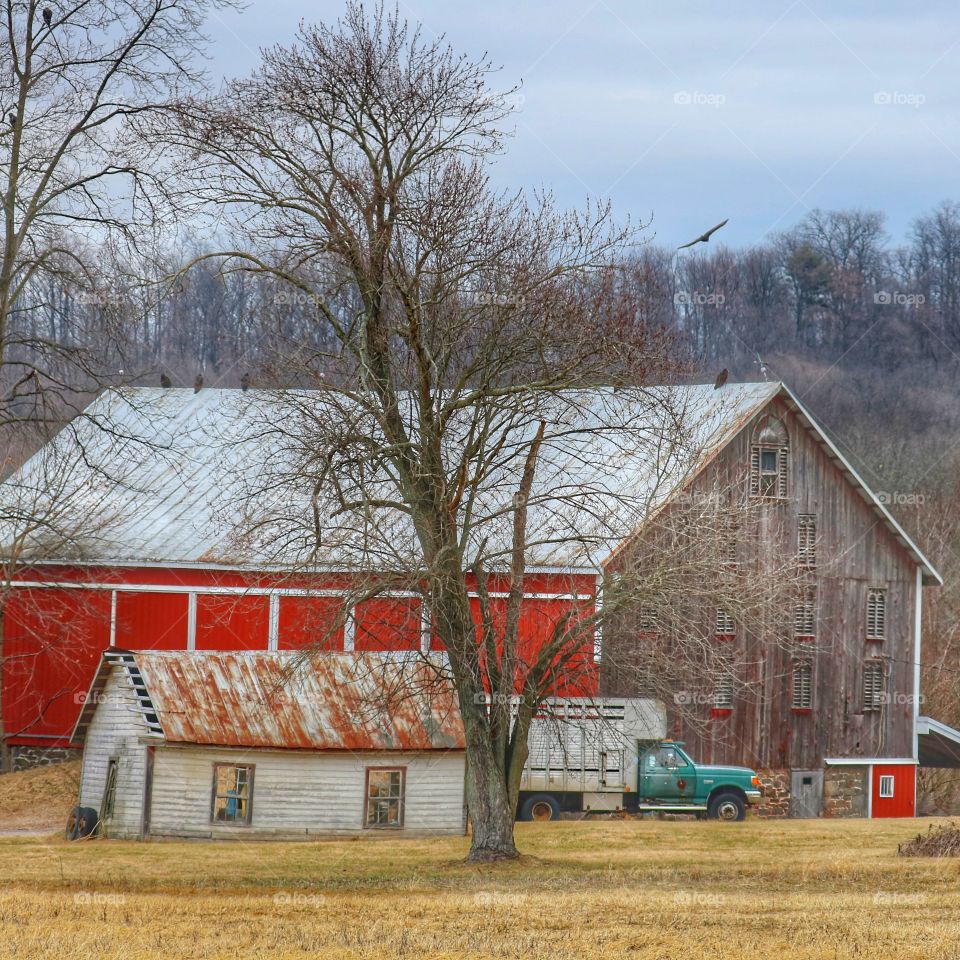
<point>775,785</point>
<point>25,758</point>
<point>845,792</point>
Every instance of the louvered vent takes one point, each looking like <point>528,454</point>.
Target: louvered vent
<point>802,693</point>
<point>723,689</point>
<point>876,613</point>
<point>804,613</point>
<point>807,540</point>
<point>725,625</point>
<point>874,685</point>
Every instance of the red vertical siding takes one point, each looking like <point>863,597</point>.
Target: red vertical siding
<point>309,621</point>
<point>151,621</point>
<point>388,623</point>
<point>238,622</point>
<point>903,801</point>
<point>52,644</point>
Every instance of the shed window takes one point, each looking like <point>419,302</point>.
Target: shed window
<point>385,789</point>
<point>874,683</point>
<point>886,786</point>
<point>807,540</point>
<point>802,693</point>
<point>804,613</point>
<point>725,625</point>
<point>769,459</point>
<point>232,793</point>
<point>110,789</point>
<point>876,613</point>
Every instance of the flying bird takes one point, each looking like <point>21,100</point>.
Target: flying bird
<point>245,382</point>
<point>705,237</point>
<point>165,381</point>
<point>198,383</point>
<point>722,378</point>
<point>47,16</point>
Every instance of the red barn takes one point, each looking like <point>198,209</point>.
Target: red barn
<point>144,543</point>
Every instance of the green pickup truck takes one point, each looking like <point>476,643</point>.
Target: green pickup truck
<point>669,780</point>
<point>609,755</point>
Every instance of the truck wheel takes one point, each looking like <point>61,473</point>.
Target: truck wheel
<point>70,833</point>
<point>541,806</point>
<point>727,806</point>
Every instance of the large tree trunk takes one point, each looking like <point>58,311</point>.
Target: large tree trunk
<point>488,800</point>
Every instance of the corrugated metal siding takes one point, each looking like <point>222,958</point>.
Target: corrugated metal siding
<point>326,702</point>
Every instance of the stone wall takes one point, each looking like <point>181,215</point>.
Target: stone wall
<point>845,792</point>
<point>775,785</point>
<point>24,758</point>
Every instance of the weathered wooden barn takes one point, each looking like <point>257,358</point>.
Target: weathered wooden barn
<point>262,745</point>
<point>833,721</point>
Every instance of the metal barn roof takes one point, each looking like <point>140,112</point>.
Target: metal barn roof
<point>284,700</point>
<point>214,478</point>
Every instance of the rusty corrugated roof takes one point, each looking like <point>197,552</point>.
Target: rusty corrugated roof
<point>347,701</point>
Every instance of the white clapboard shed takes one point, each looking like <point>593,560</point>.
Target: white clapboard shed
<point>270,745</point>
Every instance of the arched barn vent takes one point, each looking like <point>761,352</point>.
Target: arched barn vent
<point>146,709</point>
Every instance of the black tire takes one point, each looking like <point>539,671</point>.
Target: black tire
<point>540,807</point>
<point>727,806</point>
<point>87,822</point>
<point>73,820</point>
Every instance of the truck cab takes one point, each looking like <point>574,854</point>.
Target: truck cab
<point>668,779</point>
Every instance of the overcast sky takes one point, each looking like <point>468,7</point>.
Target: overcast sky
<point>692,112</point>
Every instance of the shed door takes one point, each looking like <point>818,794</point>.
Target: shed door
<point>806,793</point>
<point>893,790</point>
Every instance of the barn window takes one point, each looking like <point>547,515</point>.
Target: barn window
<point>876,613</point>
<point>385,788</point>
<point>725,625</point>
<point>232,793</point>
<point>807,540</point>
<point>802,693</point>
<point>769,459</point>
<point>804,613</point>
<point>886,786</point>
<point>874,685</point>
<point>110,789</point>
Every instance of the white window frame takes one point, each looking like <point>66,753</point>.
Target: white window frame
<point>887,786</point>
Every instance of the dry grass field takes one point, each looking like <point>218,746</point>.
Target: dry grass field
<point>797,890</point>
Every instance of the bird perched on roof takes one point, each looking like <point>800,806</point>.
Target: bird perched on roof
<point>245,382</point>
<point>47,16</point>
<point>165,381</point>
<point>722,378</point>
<point>198,383</point>
<point>705,237</point>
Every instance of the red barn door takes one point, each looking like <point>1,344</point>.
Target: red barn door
<point>894,790</point>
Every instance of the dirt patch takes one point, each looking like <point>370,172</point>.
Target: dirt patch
<point>939,841</point>
<point>38,800</point>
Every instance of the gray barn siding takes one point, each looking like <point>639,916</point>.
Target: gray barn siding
<point>299,793</point>
<point>854,552</point>
<point>115,731</point>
